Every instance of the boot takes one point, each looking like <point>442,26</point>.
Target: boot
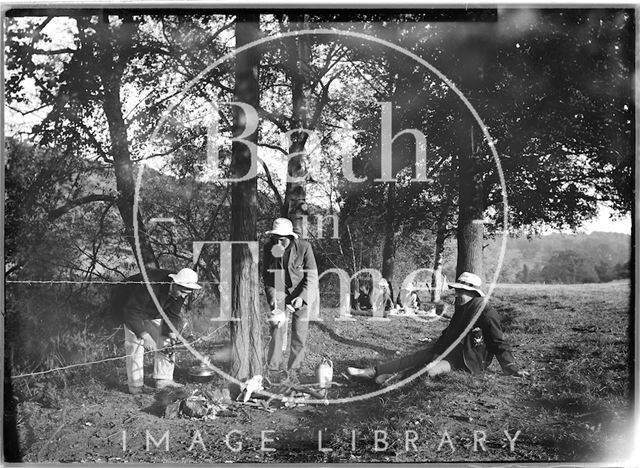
<point>167,383</point>
<point>135,389</point>
<point>139,389</point>
<point>366,373</point>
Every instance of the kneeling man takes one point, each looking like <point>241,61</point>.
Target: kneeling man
<point>144,327</point>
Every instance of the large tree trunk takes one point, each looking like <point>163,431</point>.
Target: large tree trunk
<point>298,56</point>
<point>114,60</point>
<point>470,207</point>
<point>389,248</point>
<point>441,237</point>
<point>246,331</point>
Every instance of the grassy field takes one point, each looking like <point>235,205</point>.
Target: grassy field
<point>575,341</point>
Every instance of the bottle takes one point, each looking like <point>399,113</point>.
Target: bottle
<point>324,373</point>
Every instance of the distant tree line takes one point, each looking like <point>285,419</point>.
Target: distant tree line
<point>569,266</point>
<point>561,258</point>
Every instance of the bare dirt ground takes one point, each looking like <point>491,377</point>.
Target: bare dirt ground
<point>575,340</point>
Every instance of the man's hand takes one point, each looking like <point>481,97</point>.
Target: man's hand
<point>149,343</point>
<point>277,318</point>
<point>168,341</point>
<point>297,303</point>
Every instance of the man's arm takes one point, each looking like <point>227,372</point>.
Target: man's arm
<point>447,337</point>
<point>173,311</point>
<point>310,279</point>
<point>268,277</point>
<point>133,308</point>
<point>451,333</point>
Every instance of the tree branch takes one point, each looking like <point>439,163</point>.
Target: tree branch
<point>273,147</point>
<point>66,50</point>
<point>321,103</point>
<point>209,231</point>
<point>272,185</point>
<point>280,121</point>
<point>29,111</point>
<point>13,269</point>
<point>36,32</point>
<point>368,81</point>
<point>61,210</point>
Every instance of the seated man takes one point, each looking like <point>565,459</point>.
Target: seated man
<point>386,296</point>
<point>475,351</point>
<point>408,299</point>
<point>361,298</point>
<point>144,327</point>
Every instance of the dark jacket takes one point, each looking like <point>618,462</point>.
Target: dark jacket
<point>132,302</point>
<point>301,272</point>
<point>485,340</point>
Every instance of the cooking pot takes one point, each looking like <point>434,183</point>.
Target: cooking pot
<point>201,373</point>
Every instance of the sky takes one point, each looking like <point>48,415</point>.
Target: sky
<point>604,223</point>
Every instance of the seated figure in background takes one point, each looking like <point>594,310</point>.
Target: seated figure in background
<point>408,299</point>
<point>361,298</point>
<point>386,296</point>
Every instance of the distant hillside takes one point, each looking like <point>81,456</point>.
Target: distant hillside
<point>562,258</point>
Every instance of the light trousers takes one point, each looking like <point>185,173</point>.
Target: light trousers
<point>299,333</point>
<point>134,347</point>
<point>415,361</point>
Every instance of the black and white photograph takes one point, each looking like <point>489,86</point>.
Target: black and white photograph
<point>319,233</point>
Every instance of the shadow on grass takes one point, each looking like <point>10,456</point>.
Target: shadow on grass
<point>350,341</point>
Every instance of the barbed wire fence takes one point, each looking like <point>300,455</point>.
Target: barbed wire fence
<point>108,359</point>
<point>114,358</point>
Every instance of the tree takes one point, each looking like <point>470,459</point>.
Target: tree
<point>539,90</point>
<point>43,190</point>
<point>298,62</point>
<point>105,92</point>
<point>90,78</point>
<point>246,330</point>
<point>524,275</point>
<point>569,266</point>
<point>113,50</point>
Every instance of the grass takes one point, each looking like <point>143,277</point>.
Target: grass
<point>575,340</point>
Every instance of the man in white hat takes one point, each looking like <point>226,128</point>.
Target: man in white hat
<point>408,299</point>
<point>144,328</point>
<point>475,351</point>
<point>290,279</point>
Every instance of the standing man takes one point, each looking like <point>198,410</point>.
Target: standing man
<point>144,328</point>
<point>473,353</point>
<point>290,279</point>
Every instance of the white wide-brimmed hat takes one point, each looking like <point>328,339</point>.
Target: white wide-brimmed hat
<point>186,278</point>
<point>282,227</point>
<point>468,281</point>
